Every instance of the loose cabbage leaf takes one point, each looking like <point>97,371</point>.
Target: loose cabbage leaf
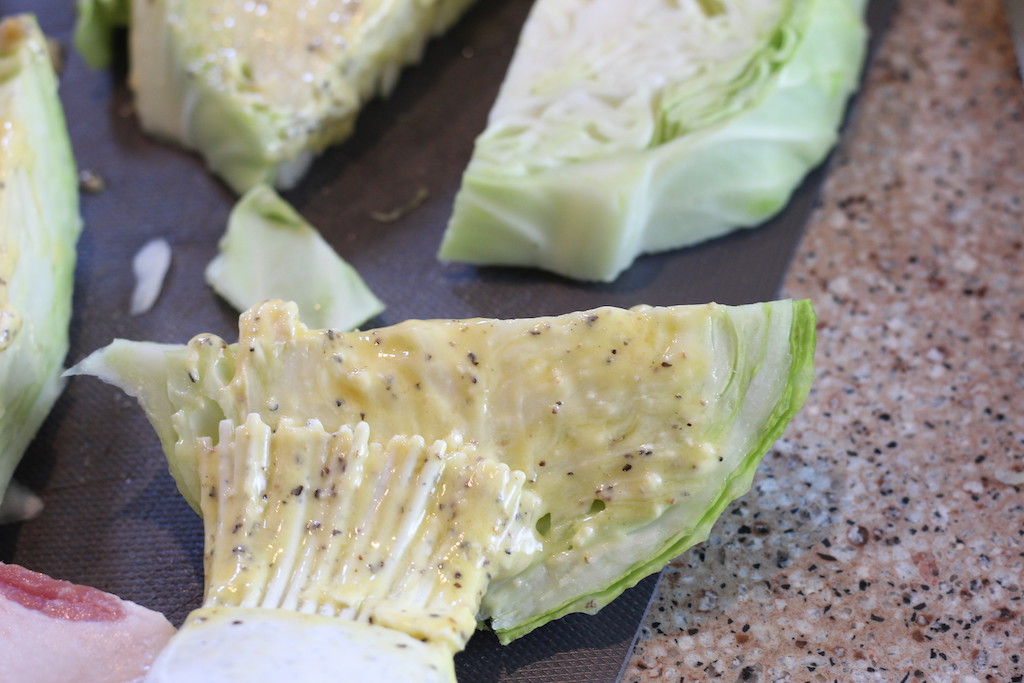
<point>270,252</point>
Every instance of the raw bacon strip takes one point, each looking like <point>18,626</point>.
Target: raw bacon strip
<point>57,599</point>
<point>52,630</point>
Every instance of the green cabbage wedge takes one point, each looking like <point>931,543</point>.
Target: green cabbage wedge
<point>39,227</point>
<point>583,451</point>
<point>258,88</point>
<point>630,128</point>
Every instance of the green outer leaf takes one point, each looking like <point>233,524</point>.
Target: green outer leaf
<point>801,340</point>
<point>270,252</point>
<point>39,227</point>
<point>590,219</point>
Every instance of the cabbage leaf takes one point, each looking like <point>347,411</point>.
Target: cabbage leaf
<point>270,252</point>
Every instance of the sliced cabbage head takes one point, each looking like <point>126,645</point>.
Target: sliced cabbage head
<point>39,228</point>
<point>587,451</point>
<point>259,88</point>
<point>628,128</point>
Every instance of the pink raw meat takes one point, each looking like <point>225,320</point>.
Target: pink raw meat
<point>53,630</point>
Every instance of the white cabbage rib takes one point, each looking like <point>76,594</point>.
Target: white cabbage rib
<point>382,551</point>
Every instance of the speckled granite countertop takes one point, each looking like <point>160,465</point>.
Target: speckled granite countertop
<point>883,539</point>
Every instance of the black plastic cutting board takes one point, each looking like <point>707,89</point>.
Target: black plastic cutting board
<point>113,518</point>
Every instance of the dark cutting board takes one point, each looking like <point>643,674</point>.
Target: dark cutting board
<point>113,518</point>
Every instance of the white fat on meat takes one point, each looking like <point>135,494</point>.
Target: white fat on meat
<point>53,630</point>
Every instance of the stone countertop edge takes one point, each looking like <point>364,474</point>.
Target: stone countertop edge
<point>883,538</point>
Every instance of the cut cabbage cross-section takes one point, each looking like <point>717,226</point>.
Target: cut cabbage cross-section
<point>628,128</point>
<point>39,227</point>
<point>259,87</point>
<point>603,443</point>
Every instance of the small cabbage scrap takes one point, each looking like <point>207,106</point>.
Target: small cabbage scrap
<point>629,128</point>
<point>150,265</point>
<point>39,227</point>
<point>270,252</point>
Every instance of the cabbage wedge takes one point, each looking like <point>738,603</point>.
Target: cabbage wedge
<point>39,228</point>
<point>259,88</point>
<point>421,476</point>
<point>629,128</point>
